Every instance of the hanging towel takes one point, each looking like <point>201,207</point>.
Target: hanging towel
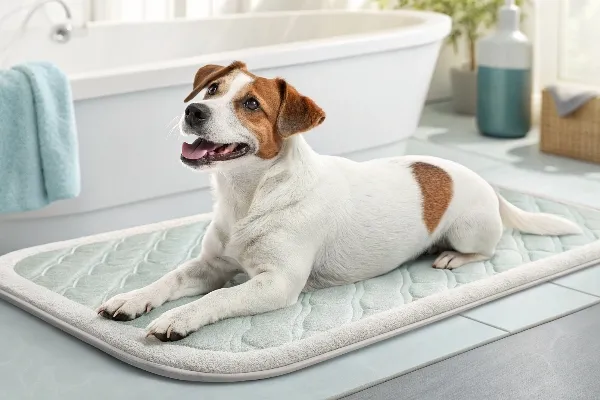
<point>568,99</point>
<point>39,159</point>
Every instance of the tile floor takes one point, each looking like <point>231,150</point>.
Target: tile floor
<point>38,361</point>
<point>554,361</point>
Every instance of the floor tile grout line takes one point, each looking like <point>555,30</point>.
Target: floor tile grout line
<point>555,317</point>
<point>574,289</point>
<point>485,323</point>
<point>542,321</point>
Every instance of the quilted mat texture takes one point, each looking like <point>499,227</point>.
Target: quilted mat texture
<point>90,273</point>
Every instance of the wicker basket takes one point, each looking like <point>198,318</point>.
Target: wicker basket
<point>576,135</point>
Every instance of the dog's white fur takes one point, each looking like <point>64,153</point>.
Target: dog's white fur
<point>302,221</point>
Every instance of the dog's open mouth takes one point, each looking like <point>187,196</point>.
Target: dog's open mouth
<point>204,152</point>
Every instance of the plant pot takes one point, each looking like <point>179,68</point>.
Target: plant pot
<point>464,90</point>
<point>441,86</point>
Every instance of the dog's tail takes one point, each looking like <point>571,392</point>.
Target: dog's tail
<point>535,223</point>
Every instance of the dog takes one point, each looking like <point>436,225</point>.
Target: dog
<point>295,221</point>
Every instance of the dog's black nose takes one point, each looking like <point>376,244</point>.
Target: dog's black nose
<point>196,114</point>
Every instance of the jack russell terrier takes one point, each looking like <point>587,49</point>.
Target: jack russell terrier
<point>294,220</point>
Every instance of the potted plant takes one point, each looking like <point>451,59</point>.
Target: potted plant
<point>470,19</point>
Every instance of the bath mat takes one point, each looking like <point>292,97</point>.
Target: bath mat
<point>63,283</point>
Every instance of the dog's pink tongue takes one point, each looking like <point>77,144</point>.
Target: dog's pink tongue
<point>192,152</point>
<point>197,150</point>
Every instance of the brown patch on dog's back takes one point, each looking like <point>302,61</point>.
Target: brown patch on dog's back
<point>436,190</point>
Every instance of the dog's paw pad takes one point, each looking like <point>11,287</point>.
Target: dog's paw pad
<point>171,337</point>
<point>125,306</point>
<point>123,317</point>
<point>453,259</point>
<point>176,324</point>
<point>444,260</point>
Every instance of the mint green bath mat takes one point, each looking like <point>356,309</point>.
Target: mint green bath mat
<point>63,283</point>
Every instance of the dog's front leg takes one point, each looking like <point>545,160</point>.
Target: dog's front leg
<point>194,277</point>
<point>269,290</point>
<point>198,276</point>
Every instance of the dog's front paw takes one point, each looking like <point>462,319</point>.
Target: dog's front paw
<point>126,306</point>
<point>177,323</point>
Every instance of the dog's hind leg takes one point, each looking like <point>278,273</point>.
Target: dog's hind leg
<point>437,247</point>
<point>472,237</point>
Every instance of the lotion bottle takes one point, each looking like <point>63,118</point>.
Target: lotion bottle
<point>504,75</point>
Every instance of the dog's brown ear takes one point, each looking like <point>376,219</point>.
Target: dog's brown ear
<point>297,113</point>
<point>209,73</point>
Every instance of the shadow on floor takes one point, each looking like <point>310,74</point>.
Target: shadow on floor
<point>531,158</point>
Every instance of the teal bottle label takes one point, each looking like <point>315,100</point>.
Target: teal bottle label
<point>503,101</point>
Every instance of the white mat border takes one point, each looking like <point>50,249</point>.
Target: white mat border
<point>214,366</point>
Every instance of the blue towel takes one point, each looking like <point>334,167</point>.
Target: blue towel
<point>39,158</point>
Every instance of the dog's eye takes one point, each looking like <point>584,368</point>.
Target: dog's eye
<point>212,89</point>
<point>251,104</point>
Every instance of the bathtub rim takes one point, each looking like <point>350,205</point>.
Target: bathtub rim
<point>432,28</point>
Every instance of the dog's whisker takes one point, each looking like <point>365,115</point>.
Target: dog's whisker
<point>174,123</point>
<point>173,129</point>
<point>173,120</point>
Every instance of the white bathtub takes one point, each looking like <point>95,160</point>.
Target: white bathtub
<point>369,71</point>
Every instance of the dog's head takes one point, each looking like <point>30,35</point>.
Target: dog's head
<point>239,117</point>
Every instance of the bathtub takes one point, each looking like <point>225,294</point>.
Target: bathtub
<point>368,70</point>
